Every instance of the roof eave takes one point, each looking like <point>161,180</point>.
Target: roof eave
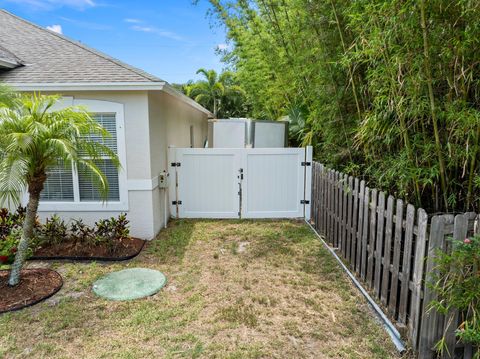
<point>110,86</point>
<point>8,64</point>
<point>88,86</point>
<point>172,91</point>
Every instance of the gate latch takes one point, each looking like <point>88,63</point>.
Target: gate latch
<point>176,203</point>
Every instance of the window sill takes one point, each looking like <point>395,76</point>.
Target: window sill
<point>82,207</point>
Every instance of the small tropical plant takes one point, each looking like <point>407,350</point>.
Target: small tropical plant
<point>457,283</point>
<point>109,230</point>
<point>10,221</point>
<point>81,233</point>
<point>34,137</point>
<point>106,232</point>
<point>54,231</point>
<point>8,247</point>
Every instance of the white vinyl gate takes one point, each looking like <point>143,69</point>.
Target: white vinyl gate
<point>240,182</point>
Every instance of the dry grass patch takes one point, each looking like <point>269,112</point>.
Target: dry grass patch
<point>236,289</point>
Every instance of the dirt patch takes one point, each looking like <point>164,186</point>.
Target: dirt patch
<point>35,285</point>
<point>118,250</point>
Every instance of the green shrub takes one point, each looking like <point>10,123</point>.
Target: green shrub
<point>109,230</point>
<point>113,228</point>
<point>81,233</point>
<point>457,283</point>
<point>54,231</point>
<point>105,231</point>
<point>8,246</point>
<point>10,221</point>
<point>10,231</point>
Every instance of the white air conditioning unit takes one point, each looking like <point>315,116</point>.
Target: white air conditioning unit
<point>247,133</point>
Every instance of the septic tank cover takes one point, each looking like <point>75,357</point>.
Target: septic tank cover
<point>130,284</point>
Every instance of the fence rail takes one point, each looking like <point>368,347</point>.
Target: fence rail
<point>390,246</point>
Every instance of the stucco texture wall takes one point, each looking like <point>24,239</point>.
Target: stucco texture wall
<point>137,166</point>
<point>170,122</point>
<point>153,121</point>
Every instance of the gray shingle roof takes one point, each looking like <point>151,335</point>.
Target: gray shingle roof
<point>52,58</point>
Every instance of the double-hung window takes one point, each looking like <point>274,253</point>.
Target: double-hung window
<point>71,188</point>
<point>87,189</point>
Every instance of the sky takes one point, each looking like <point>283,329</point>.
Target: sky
<point>171,39</point>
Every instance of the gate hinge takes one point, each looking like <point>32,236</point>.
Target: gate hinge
<point>176,164</point>
<point>304,202</point>
<point>176,203</point>
<point>305,164</point>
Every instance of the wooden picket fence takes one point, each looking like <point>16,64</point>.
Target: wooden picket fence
<point>390,246</point>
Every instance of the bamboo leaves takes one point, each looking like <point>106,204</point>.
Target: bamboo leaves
<point>389,88</point>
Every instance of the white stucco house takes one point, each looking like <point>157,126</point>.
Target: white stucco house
<point>144,114</point>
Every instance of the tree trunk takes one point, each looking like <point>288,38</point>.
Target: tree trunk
<point>215,107</point>
<point>428,73</point>
<point>350,71</point>
<point>471,175</point>
<point>34,189</point>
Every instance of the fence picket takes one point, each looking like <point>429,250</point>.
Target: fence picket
<point>371,239</point>
<point>343,218</point>
<point>337,209</point>
<point>361,205</point>
<point>468,353</point>
<point>313,212</point>
<point>419,260</point>
<point>330,209</point>
<point>366,217</point>
<point>459,233</point>
<point>349,218</point>
<point>318,198</point>
<point>388,251</point>
<point>355,196</point>
<point>323,215</point>
<point>327,207</point>
<point>397,247</point>
<point>379,243</point>
<point>407,260</point>
<point>430,320</point>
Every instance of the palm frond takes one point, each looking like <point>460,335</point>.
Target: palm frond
<point>34,137</point>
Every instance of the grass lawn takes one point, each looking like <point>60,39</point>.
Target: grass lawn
<point>250,289</point>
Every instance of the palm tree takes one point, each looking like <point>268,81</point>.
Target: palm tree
<point>35,138</point>
<point>217,93</point>
<point>6,96</point>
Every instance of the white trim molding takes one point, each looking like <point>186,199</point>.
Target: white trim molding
<point>111,86</point>
<point>4,63</point>
<point>175,93</point>
<point>88,86</point>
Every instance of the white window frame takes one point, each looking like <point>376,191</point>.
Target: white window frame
<point>98,106</point>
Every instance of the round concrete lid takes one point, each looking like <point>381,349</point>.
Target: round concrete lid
<point>129,284</point>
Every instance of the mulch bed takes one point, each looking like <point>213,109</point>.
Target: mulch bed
<point>35,286</point>
<point>123,249</point>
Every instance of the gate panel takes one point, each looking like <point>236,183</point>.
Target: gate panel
<point>274,183</point>
<point>208,183</point>
<point>227,183</point>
